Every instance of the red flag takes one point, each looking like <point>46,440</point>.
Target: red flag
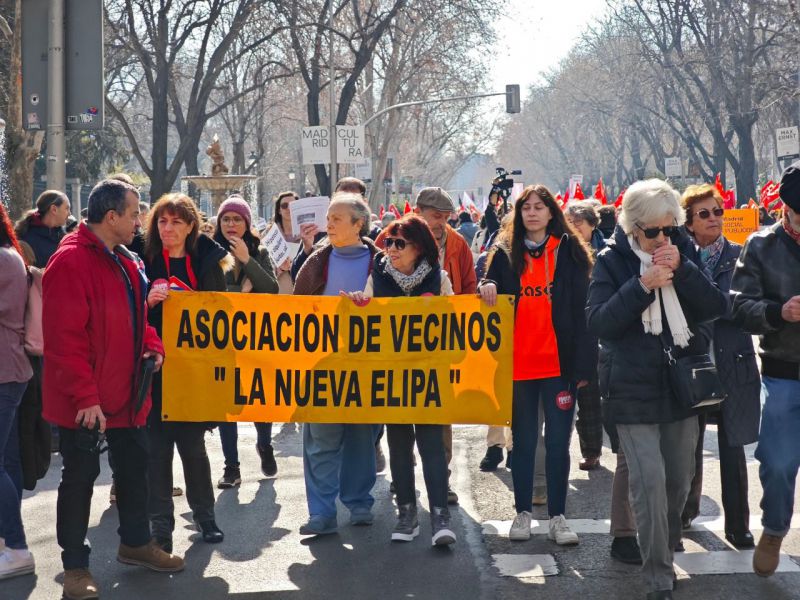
<point>600,192</point>
<point>566,196</point>
<point>406,208</point>
<point>394,211</point>
<point>718,185</point>
<point>730,200</point>
<point>381,212</point>
<point>769,193</point>
<point>618,201</point>
<point>579,192</point>
<point>752,204</point>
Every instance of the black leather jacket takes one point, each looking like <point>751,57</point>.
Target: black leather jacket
<point>767,275</point>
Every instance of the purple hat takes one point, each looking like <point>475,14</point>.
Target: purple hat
<point>236,204</point>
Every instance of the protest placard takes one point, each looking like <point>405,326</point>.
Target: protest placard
<point>309,210</point>
<point>255,357</point>
<point>739,223</point>
<point>276,245</point>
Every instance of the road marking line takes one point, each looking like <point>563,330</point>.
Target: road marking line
<point>713,524</point>
<point>725,562</point>
<point>525,565</point>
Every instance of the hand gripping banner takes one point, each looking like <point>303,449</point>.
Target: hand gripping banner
<point>275,358</point>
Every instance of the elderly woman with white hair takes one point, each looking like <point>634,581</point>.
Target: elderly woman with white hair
<point>649,293</point>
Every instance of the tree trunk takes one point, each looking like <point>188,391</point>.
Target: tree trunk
<point>23,146</point>
<point>746,174</point>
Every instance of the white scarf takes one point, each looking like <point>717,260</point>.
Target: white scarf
<point>651,317</point>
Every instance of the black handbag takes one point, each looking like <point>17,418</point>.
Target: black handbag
<point>694,378</point>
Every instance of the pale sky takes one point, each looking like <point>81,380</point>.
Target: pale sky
<point>536,34</point>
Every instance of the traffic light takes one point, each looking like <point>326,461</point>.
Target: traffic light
<point>512,98</point>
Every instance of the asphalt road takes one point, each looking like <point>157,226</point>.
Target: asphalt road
<point>264,557</point>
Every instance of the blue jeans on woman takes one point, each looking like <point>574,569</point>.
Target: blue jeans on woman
<point>10,467</point>
<point>778,452</point>
<point>557,431</point>
<point>229,437</point>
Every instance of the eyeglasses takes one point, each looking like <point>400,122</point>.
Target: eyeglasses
<point>651,233</point>
<point>398,243</point>
<point>232,220</point>
<point>704,213</point>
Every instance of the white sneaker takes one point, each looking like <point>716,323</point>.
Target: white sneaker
<point>15,562</point>
<point>560,532</point>
<point>521,527</point>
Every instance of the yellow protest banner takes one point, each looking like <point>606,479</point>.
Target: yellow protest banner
<point>739,223</point>
<point>258,357</point>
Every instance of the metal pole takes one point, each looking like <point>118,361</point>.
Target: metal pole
<point>419,102</point>
<point>56,145</point>
<point>332,91</point>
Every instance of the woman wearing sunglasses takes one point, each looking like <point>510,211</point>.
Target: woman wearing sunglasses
<point>409,266</point>
<point>738,417</point>
<point>545,264</point>
<point>647,291</point>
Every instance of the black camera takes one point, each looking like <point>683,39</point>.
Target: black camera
<point>91,440</point>
<point>502,185</point>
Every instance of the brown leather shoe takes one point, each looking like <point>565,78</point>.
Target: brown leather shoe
<point>79,585</point>
<point>590,463</point>
<point>767,555</point>
<point>151,556</point>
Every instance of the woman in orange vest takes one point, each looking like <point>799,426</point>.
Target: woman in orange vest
<point>545,264</point>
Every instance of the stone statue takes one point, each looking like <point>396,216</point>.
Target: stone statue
<point>218,166</point>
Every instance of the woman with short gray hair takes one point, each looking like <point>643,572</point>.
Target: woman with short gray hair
<point>648,290</point>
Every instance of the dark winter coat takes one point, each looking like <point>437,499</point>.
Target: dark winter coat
<point>384,285</point>
<point>735,358</point>
<point>577,348</point>
<point>633,376</point>
<point>34,431</point>
<point>209,262</point>
<point>43,240</point>
<point>767,275</point>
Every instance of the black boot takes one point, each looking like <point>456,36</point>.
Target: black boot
<point>211,533</point>
<point>626,550</point>
<point>493,457</point>
<point>268,465</point>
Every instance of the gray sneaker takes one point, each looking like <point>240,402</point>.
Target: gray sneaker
<point>442,535</point>
<point>407,527</point>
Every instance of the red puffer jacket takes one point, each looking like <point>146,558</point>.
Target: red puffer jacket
<point>92,350</point>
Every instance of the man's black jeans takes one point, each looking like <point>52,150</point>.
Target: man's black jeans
<point>78,474</point>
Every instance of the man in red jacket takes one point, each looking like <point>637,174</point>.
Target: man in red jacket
<point>96,335</point>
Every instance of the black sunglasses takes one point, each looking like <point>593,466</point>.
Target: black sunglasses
<point>398,243</point>
<point>704,213</point>
<point>651,233</point>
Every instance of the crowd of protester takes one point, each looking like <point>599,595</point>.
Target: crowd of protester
<point>610,303</point>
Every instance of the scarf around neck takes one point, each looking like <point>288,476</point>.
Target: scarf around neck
<point>790,231</point>
<point>408,282</point>
<point>651,317</point>
<point>711,254</point>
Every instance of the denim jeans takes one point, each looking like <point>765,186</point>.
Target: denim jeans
<point>557,431</point>
<point>778,452</point>
<point>229,438</point>
<point>10,467</point>
<point>430,442</point>
<point>339,460</point>
<point>78,474</point>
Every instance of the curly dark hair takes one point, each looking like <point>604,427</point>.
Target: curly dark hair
<point>414,229</point>
<point>513,231</point>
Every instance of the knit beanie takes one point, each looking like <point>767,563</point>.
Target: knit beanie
<point>236,204</point>
<point>790,187</point>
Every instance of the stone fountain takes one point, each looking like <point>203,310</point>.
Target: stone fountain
<point>220,184</point>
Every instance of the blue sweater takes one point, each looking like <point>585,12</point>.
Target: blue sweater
<point>348,269</point>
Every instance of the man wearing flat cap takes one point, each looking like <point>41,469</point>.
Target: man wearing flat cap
<point>766,301</point>
<point>435,205</point>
